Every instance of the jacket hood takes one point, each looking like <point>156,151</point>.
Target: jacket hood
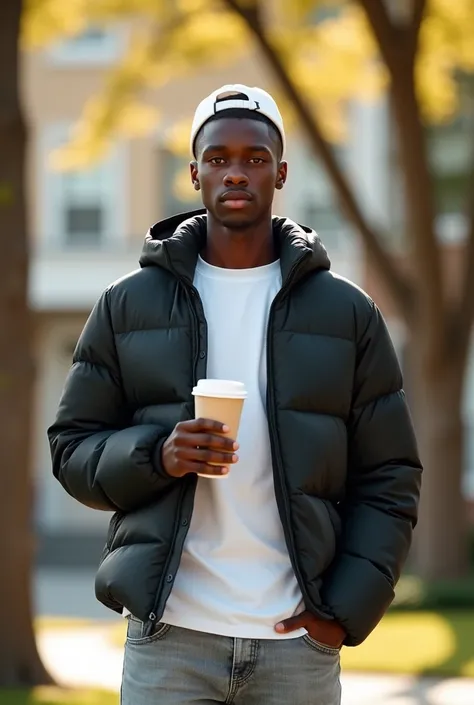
<point>174,244</point>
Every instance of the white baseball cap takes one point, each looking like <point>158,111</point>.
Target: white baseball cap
<point>246,98</point>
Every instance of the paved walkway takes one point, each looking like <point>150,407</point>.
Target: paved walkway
<point>86,658</point>
<point>68,593</point>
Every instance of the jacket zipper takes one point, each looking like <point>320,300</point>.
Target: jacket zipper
<point>153,616</point>
<point>193,292</point>
<point>282,497</point>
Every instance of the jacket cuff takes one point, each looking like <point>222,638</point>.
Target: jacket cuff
<point>157,460</point>
<point>358,595</point>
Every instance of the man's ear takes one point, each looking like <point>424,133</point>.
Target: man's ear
<point>282,175</point>
<point>194,175</point>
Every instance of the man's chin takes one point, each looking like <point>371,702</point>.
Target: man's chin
<point>237,223</point>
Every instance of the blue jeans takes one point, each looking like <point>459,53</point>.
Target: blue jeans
<point>177,666</point>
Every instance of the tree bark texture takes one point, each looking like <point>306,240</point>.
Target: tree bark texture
<point>20,664</point>
<point>435,393</point>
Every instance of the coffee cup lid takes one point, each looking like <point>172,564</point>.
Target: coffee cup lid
<point>222,388</point>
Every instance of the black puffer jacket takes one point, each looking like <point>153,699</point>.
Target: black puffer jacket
<point>345,462</point>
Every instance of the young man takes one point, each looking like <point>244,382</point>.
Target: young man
<point>240,589</point>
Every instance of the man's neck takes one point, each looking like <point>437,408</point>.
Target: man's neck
<point>244,249</point>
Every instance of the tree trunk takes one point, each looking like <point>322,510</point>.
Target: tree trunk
<point>422,245</point>
<point>435,390</point>
<point>20,664</point>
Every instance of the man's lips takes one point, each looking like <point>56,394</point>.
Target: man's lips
<point>236,203</point>
<point>236,199</point>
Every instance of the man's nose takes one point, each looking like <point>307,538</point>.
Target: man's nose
<point>236,177</point>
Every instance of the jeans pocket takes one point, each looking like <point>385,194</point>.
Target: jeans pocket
<point>135,632</point>
<point>322,648</point>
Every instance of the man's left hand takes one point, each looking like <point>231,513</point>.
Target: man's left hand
<point>327,632</point>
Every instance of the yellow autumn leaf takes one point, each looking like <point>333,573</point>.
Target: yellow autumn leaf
<point>80,153</point>
<point>47,20</point>
<point>137,119</point>
<point>188,6</point>
<point>177,136</point>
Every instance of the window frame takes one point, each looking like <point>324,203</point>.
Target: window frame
<point>51,233</point>
<point>73,51</point>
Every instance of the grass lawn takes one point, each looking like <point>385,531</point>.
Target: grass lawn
<point>63,623</point>
<point>419,643</point>
<point>57,696</point>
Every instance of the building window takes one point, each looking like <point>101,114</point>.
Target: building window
<point>318,15</point>
<point>96,45</point>
<point>327,221</point>
<point>178,195</point>
<point>83,203</point>
<point>451,148</point>
<point>82,209</point>
<point>84,222</point>
<point>308,198</point>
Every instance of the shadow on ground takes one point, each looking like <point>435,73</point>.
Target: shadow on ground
<point>420,692</point>
<point>461,660</point>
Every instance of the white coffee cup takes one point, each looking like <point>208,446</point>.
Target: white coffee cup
<point>220,400</point>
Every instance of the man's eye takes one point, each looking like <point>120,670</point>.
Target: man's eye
<point>216,160</point>
<point>257,160</point>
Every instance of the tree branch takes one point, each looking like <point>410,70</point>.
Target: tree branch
<point>391,38</point>
<point>392,274</point>
<point>386,33</point>
<point>418,12</point>
<point>398,47</point>
<point>397,41</point>
<point>419,7</point>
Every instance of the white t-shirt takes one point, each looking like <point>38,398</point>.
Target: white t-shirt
<point>235,578</point>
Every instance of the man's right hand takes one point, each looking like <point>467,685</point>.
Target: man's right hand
<point>196,443</point>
